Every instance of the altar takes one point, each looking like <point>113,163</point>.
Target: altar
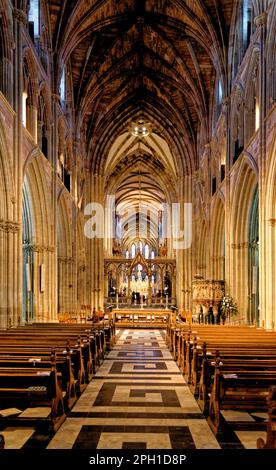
<point>141,317</point>
<point>140,281</point>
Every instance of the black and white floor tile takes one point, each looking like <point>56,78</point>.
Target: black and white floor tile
<point>140,400</point>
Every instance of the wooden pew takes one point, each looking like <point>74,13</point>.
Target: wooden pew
<point>238,389</point>
<point>232,343</point>
<point>240,360</point>
<point>271,425</point>
<point>39,348</point>
<point>105,333</point>
<point>24,360</point>
<point>63,365</point>
<point>27,387</point>
<point>79,344</point>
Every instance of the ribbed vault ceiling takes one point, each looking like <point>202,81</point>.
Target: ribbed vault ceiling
<point>155,57</point>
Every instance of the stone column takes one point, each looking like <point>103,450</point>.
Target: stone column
<point>228,240</point>
<point>270,294</point>
<point>162,282</point>
<point>184,255</point>
<point>39,133</point>
<point>173,284</point>
<point>32,121</point>
<point>265,309</point>
<point>43,260</point>
<point>74,192</point>
<point>53,158</point>
<point>128,283</point>
<point>95,245</point>
<point>149,286</point>
<point>109,226</point>
<point>6,74</point>
<point>9,314</point>
<point>106,284</point>
<point>15,265</point>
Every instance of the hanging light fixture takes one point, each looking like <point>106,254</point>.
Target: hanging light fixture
<point>140,128</point>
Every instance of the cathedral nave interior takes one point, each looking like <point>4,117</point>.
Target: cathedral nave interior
<point>137,223</point>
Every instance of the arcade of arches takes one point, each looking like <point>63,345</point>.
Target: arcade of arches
<point>137,107</point>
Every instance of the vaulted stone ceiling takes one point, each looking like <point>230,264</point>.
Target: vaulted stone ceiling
<point>156,58</point>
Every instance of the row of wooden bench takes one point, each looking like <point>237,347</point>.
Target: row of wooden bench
<point>49,365</point>
<point>226,368</point>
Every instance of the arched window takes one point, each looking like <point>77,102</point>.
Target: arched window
<point>127,254</point>
<point>62,88</point>
<point>253,285</point>
<point>133,251</point>
<point>42,131</point>
<point>147,251</point>
<point>34,18</point>
<point>140,246</point>
<point>217,101</point>
<point>243,33</point>
<point>152,254</point>
<point>246,22</point>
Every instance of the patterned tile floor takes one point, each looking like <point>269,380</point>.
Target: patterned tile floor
<point>140,400</point>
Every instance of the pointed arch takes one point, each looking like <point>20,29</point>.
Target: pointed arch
<point>39,248</point>
<point>247,181</point>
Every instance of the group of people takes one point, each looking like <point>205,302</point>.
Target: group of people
<point>97,315</point>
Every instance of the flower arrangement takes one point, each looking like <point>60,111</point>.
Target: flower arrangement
<point>228,307</point>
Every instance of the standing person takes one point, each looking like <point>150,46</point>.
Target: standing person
<point>95,318</point>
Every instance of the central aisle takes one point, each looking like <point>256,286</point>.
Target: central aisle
<point>137,400</point>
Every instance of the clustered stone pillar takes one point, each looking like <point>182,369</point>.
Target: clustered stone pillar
<point>15,259</point>
<point>266,305</point>
<point>44,287</point>
<point>109,225</point>
<point>95,245</point>
<point>10,312</point>
<point>184,254</point>
<point>65,276</point>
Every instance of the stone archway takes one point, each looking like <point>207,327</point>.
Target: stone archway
<point>239,281</point>
<point>39,245</point>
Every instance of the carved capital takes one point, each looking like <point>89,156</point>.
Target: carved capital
<point>37,248</point>
<point>9,226</point>
<point>218,258</point>
<point>65,260</point>
<point>56,97</point>
<point>240,246</point>
<point>20,16</point>
<point>261,19</point>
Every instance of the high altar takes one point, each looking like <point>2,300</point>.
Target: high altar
<point>139,280</point>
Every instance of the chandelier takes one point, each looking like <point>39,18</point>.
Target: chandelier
<point>141,128</point>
